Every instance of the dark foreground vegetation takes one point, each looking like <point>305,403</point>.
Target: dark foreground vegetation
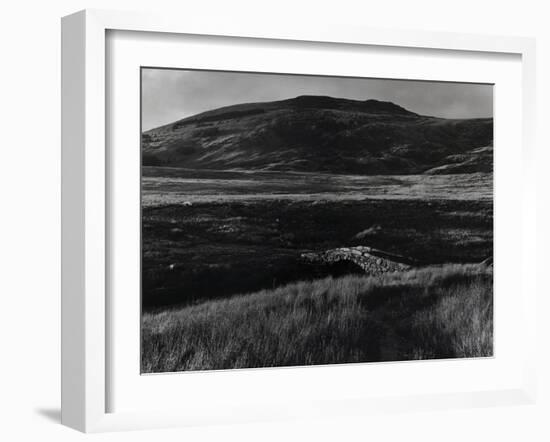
<point>192,253</point>
<point>435,312</point>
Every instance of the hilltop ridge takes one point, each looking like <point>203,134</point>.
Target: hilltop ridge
<point>322,134</point>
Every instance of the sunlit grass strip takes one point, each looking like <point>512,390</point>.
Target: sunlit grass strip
<point>437,312</point>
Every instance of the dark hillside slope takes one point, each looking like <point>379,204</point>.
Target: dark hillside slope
<point>321,134</point>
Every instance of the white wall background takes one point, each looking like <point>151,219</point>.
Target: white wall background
<point>30,216</point>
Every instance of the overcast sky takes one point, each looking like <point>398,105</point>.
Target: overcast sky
<point>169,94</point>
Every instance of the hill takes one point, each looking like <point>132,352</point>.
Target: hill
<point>322,134</point>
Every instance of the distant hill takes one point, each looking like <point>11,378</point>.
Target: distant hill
<point>322,134</point>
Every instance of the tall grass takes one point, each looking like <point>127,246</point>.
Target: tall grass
<point>437,312</point>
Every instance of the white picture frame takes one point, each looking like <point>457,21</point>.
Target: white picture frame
<point>85,211</point>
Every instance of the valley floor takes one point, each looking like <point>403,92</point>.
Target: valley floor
<point>225,283</point>
<point>164,185</point>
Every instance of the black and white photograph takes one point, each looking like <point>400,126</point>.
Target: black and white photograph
<point>296,220</point>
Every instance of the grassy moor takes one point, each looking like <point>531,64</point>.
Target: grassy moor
<point>436,312</point>
<point>315,230</point>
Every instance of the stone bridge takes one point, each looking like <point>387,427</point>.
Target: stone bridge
<point>372,261</point>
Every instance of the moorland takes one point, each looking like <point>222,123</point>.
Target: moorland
<point>235,198</point>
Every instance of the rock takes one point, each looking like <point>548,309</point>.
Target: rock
<point>372,261</point>
<point>370,231</point>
